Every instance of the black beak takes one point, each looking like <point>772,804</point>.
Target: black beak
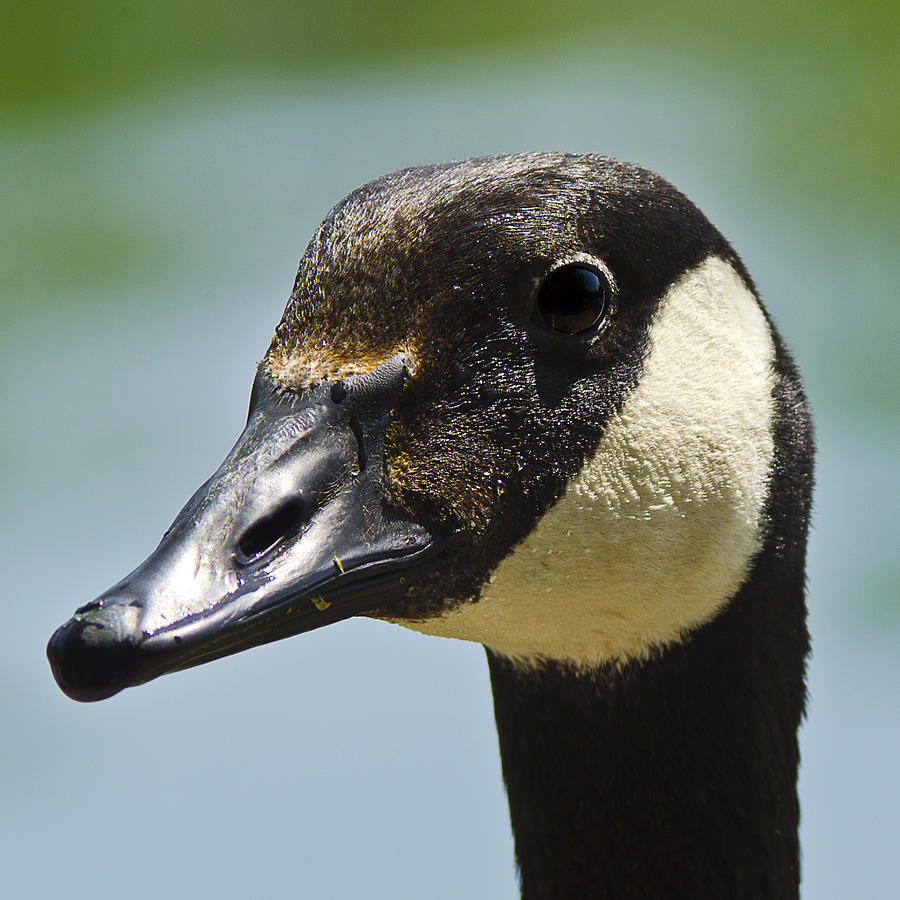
<point>291,533</point>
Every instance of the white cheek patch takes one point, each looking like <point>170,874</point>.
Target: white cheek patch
<point>657,531</point>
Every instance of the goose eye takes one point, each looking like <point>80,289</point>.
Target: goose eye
<point>573,299</point>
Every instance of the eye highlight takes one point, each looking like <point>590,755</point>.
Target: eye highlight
<point>573,299</point>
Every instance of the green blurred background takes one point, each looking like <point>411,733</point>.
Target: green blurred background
<point>161,168</point>
<point>824,76</point>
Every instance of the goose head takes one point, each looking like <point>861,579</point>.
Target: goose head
<point>525,400</point>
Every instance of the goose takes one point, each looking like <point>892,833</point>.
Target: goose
<point>532,401</point>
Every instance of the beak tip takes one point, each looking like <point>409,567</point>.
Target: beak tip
<point>86,668</point>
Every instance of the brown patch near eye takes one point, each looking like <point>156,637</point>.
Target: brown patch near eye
<point>430,475</point>
<point>305,367</point>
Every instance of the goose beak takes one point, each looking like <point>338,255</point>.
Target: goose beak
<point>291,533</point>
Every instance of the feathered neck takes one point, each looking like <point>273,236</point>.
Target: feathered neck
<point>675,776</point>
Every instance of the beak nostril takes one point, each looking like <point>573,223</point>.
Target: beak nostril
<point>266,534</point>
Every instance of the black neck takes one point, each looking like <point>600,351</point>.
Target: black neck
<point>675,777</point>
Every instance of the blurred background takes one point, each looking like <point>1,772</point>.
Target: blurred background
<point>162,166</point>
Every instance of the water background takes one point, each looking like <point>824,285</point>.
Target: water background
<point>148,242</point>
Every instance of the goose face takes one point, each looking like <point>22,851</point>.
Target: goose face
<point>465,349</point>
<point>257,552</point>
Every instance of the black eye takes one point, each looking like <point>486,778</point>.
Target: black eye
<point>573,299</point>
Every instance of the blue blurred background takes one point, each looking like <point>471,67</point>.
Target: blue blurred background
<point>161,169</point>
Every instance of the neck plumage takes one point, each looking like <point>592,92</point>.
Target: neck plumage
<point>675,777</point>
